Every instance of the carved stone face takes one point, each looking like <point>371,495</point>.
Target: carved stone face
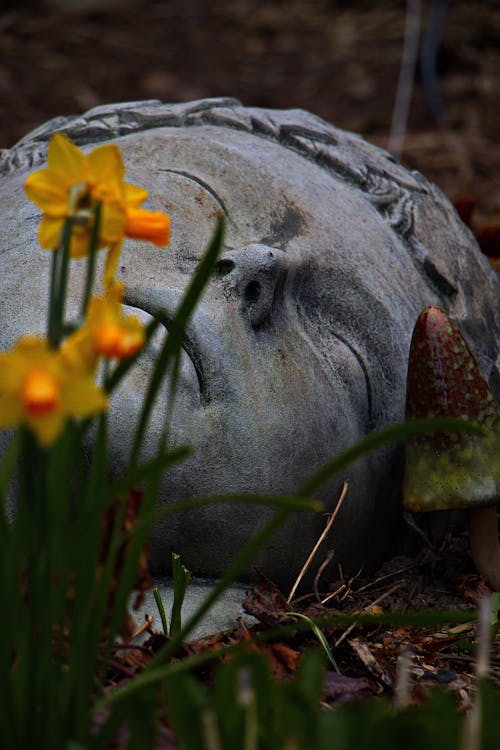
<point>299,346</point>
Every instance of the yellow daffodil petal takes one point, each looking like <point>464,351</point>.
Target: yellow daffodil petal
<point>111,264</point>
<point>48,191</point>
<point>78,352</point>
<point>47,428</point>
<point>49,232</point>
<point>134,195</point>
<point>114,294</point>
<point>67,158</point>
<point>113,221</point>
<point>11,411</point>
<point>153,226</point>
<point>30,346</point>
<point>82,398</point>
<point>106,164</point>
<point>11,372</point>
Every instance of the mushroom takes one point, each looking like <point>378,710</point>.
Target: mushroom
<point>453,471</point>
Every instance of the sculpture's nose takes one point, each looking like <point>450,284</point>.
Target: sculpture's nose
<point>255,276</point>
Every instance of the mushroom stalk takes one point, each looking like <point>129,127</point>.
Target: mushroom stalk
<point>484,546</point>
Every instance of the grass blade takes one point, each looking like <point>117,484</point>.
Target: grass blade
<point>393,434</point>
<point>175,336</point>
<point>319,635</point>
<point>181,577</point>
<point>146,470</point>
<point>122,368</point>
<point>161,610</point>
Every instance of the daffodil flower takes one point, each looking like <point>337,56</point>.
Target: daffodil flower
<point>73,183</point>
<point>40,390</point>
<point>107,332</point>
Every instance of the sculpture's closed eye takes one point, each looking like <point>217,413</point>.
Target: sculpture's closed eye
<point>255,276</point>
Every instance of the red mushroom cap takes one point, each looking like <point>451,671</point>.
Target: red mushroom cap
<point>449,471</point>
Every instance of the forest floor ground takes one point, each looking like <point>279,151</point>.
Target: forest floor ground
<point>338,59</point>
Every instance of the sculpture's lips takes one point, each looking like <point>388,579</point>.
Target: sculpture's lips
<point>189,346</point>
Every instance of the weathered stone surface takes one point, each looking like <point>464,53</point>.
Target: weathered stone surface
<point>300,345</point>
<point>223,615</point>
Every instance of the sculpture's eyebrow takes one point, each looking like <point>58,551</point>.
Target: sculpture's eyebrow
<point>201,183</point>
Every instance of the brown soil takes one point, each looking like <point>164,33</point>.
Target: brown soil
<point>338,59</point>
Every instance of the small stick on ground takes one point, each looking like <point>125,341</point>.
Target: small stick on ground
<point>373,604</point>
<point>325,533</point>
<point>333,594</point>
<point>393,573</point>
<point>326,562</point>
<point>145,627</point>
<point>364,654</point>
<point>350,582</point>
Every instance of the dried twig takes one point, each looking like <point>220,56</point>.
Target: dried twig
<point>321,568</point>
<point>333,594</point>
<point>377,601</point>
<point>364,654</point>
<point>393,573</point>
<point>324,534</point>
<point>145,627</point>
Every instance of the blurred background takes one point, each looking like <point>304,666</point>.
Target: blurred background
<point>339,59</point>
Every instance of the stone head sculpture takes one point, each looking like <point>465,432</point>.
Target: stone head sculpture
<point>300,344</point>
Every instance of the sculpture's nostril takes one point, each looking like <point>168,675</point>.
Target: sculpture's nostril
<point>224,266</point>
<point>252,292</point>
<point>253,276</point>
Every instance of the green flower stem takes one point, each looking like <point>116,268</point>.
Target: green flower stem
<point>54,275</point>
<point>63,280</point>
<point>175,336</point>
<point>128,572</point>
<point>8,465</point>
<point>91,260</point>
<point>59,282</point>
